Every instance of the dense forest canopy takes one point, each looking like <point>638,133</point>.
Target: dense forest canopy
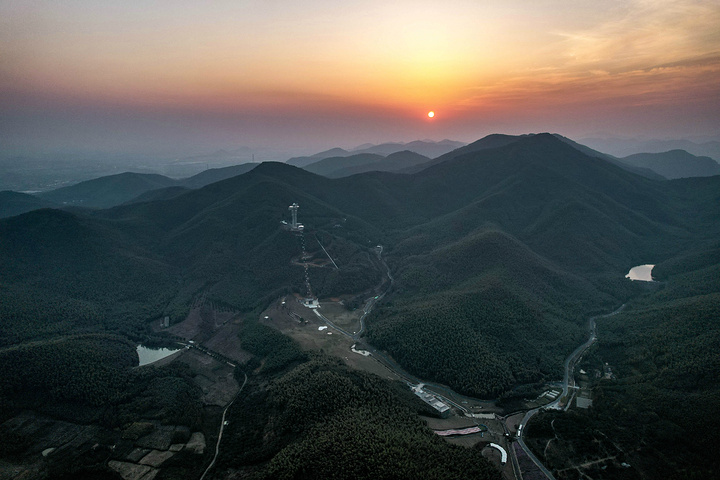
<point>656,412</point>
<point>499,251</point>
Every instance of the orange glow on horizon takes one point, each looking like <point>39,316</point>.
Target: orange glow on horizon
<point>377,65</point>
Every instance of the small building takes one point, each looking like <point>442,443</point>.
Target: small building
<point>311,302</point>
<point>433,401</point>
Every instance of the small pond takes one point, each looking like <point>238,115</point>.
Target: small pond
<point>642,273</point>
<point>150,355</point>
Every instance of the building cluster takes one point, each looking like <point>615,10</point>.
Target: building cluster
<point>432,400</point>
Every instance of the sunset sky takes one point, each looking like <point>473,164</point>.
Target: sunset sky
<point>171,75</point>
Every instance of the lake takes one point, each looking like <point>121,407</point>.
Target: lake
<point>642,273</point>
<point>150,355</point>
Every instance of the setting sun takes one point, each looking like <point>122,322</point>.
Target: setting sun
<point>431,114</point>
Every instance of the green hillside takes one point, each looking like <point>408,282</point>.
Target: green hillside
<point>577,222</point>
<point>64,273</point>
<point>116,269</point>
<point>496,313</point>
<point>499,253</point>
<point>569,222</point>
<point>321,419</point>
<point>655,412</point>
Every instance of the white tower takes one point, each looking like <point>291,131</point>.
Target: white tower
<point>293,209</point>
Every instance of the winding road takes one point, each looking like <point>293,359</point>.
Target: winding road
<point>371,303</point>
<point>568,379</point>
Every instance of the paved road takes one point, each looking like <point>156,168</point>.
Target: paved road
<point>222,427</point>
<point>568,383</point>
<point>371,303</point>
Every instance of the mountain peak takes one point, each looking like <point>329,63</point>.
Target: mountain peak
<point>278,169</point>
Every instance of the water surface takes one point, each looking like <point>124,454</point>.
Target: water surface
<point>642,273</point>
<point>150,355</point>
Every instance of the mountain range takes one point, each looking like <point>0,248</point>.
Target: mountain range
<point>624,147</point>
<point>109,191</point>
<point>542,199</point>
<point>674,164</point>
<point>423,147</point>
<point>336,167</point>
<point>501,250</point>
<point>112,190</point>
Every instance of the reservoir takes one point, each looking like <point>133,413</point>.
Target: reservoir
<point>150,355</point>
<point>642,273</point>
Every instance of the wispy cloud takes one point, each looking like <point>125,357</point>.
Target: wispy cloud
<point>646,33</point>
<point>647,52</point>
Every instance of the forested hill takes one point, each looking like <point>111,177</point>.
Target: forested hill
<point>499,254</point>
<point>495,140</point>
<point>570,222</point>
<point>113,270</point>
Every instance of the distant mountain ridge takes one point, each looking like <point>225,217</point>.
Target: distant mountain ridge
<point>337,167</point>
<point>307,160</point>
<point>112,190</point>
<point>674,164</point>
<point>427,148</point>
<point>645,172</point>
<point>213,175</point>
<point>105,192</point>
<point>330,164</point>
<point>623,147</point>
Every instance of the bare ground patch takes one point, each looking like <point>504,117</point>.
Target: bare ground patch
<point>202,322</point>
<point>131,471</point>
<point>286,318</point>
<point>341,316</point>
<point>215,378</point>
<point>226,341</point>
<point>156,458</point>
<point>214,328</point>
<point>55,438</point>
